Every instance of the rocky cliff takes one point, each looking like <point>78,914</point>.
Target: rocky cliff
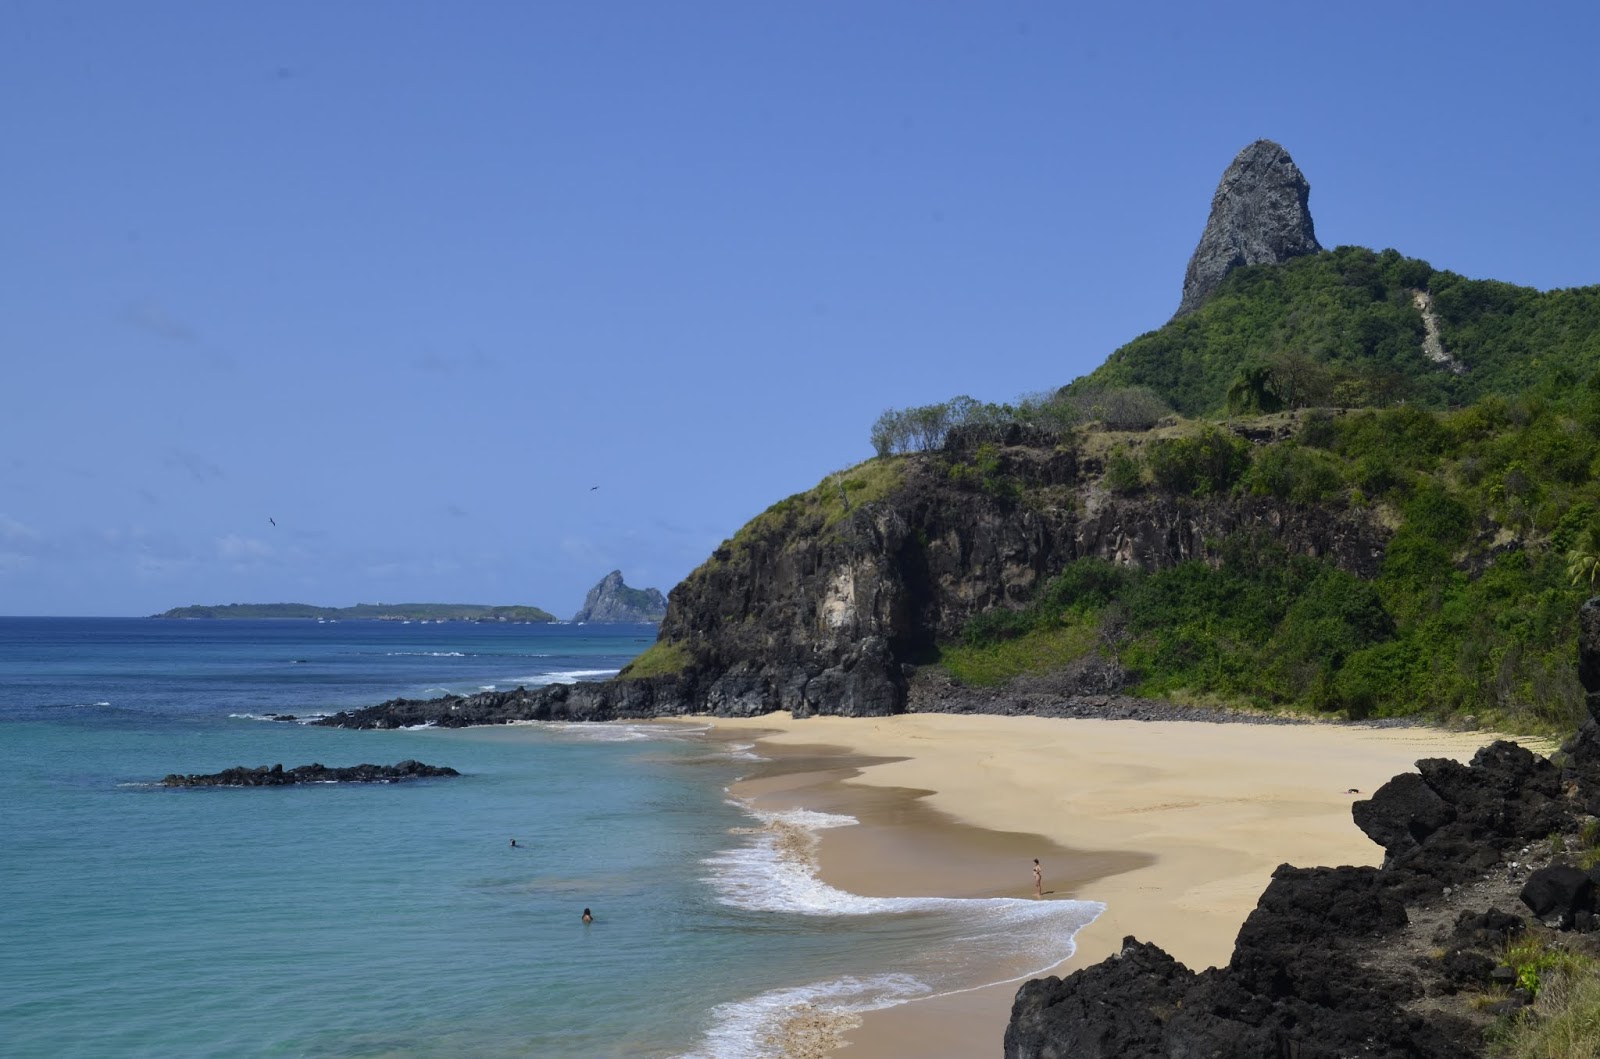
<point>613,601</point>
<point>1410,959</point>
<point>829,600</point>
<point>1260,215</point>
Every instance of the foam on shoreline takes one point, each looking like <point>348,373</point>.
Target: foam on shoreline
<point>950,944</point>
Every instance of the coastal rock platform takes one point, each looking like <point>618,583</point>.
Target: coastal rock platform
<point>278,776</point>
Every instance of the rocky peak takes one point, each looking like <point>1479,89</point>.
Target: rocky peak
<point>1259,216</point>
<point>613,601</point>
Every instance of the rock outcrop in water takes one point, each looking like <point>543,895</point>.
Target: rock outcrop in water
<point>278,776</point>
<point>613,601</point>
<point>1260,215</point>
<point>1402,960</point>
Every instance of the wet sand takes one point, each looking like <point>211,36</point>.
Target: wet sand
<point>1175,826</point>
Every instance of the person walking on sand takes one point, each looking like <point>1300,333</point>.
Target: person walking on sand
<point>1038,879</point>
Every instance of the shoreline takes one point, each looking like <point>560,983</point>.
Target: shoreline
<point>1175,826</point>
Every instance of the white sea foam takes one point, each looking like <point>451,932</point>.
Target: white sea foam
<point>278,718</point>
<point>773,870</point>
<point>560,676</point>
<point>754,1028</point>
<point>425,654</point>
<point>604,731</point>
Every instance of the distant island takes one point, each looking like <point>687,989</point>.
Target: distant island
<point>364,611</point>
<point>613,601</point>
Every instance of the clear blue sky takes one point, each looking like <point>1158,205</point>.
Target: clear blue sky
<point>411,278</point>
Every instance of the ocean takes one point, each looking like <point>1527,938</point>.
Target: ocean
<point>397,920</point>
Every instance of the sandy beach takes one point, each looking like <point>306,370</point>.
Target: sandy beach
<point>1174,826</point>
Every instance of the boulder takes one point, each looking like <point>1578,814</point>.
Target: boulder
<point>1402,813</point>
<point>1589,648</point>
<point>1558,894</point>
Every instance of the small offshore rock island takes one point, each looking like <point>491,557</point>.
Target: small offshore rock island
<point>1339,485</point>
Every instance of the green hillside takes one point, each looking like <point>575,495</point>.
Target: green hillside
<point>1342,328</point>
<point>1495,518</point>
<point>371,611</point>
<point>1307,383</point>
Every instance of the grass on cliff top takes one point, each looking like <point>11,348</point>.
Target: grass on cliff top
<point>827,503</point>
<point>659,659</point>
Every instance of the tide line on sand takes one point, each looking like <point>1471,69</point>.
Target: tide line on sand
<point>1203,811</point>
<point>774,869</point>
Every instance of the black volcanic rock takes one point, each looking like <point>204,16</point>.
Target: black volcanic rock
<point>278,776</point>
<point>613,601</point>
<point>1259,216</point>
<point>1558,894</point>
<point>1338,962</point>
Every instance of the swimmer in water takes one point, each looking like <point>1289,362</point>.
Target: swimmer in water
<point>588,916</point>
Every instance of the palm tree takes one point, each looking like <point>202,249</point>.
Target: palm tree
<point>1583,559</point>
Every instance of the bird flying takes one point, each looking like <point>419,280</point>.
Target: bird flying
<point>272,520</point>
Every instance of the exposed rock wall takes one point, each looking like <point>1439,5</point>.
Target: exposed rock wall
<point>1260,215</point>
<point>803,614</point>
<point>796,619</point>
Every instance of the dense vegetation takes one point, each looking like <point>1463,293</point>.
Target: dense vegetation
<point>1340,328</point>
<point>378,611</point>
<point>1495,510</point>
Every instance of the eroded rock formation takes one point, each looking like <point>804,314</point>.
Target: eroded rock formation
<point>1260,215</point>
<point>613,601</point>
<point>278,776</point>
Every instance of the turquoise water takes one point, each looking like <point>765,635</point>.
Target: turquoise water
<point>396,920</point>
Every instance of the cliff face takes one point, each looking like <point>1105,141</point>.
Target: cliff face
<point>613,601</point>
<point>793,615</point>
<point>818,606</point>
<point>796,620</point>
<point>1260,215</point>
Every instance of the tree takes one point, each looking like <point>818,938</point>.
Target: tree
<point>1251,392</point>
<point>1298,380</point>
<point>1583,561</point>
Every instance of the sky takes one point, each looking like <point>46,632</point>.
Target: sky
<point>442,302</point>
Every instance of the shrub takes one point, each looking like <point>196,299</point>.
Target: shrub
<point>1209,462</point>
<point>1301,476</point>
<point>1119,407</point>
<point>1124,472</point>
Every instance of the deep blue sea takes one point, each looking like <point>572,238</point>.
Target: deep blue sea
<point>396,920</point>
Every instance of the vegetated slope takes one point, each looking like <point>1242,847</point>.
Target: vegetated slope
<point>1342,325</point>
<point>1372,562</point>
<point>1407,559</point>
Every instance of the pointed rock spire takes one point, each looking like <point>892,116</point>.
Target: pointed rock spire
<point>1259,216</point>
